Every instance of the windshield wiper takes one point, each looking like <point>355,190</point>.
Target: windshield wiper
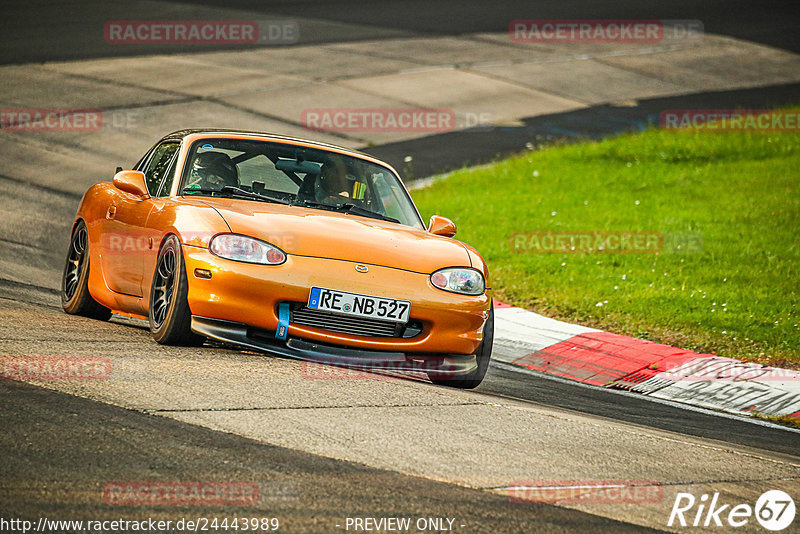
<point>349,208</point>
<point>363,212</point>
<point>240,192</point>
<point>257,196</point>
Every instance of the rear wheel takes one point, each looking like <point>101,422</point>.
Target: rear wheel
<point>483,355</point>
<point>169,314</point>
<point>75,297</point>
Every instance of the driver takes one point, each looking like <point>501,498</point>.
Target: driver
<point>212,170</point>
<point>332,185</point>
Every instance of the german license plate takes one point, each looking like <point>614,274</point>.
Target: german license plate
<point>359,305</point>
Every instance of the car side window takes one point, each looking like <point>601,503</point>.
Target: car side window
<point>158,164</point>
<point>169,177</point>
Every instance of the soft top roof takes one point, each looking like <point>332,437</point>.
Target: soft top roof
<point>180,134</point>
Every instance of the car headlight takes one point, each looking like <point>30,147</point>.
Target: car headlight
<point>459,280</point>
<point>248,249</point>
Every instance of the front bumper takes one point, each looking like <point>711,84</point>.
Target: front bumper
<point>249,294</point>
<point>240,334</point>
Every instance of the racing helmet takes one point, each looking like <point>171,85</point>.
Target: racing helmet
<point>213,170</point>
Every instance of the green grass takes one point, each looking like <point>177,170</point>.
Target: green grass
<point>737,296</point>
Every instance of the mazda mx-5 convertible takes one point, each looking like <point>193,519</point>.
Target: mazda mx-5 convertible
<point>294,247</point>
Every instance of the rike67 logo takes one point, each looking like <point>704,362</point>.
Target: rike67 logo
<point>774,510</point>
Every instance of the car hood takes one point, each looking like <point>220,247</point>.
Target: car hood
<point>326,234</point>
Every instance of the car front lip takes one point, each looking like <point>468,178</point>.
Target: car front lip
<point>244,336</point>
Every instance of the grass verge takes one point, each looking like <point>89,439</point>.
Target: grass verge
<point>723,279</point>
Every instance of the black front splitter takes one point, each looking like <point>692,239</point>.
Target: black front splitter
<point>450,365</point>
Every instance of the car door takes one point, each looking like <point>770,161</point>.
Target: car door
<point>160,218</point>
<point>124,235</point>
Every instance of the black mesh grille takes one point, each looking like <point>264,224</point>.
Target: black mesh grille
<point>348,324</point>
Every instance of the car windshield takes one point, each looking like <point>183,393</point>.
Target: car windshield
<point>296,175</point>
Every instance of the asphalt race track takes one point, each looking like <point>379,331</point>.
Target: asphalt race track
<point>325,447</point>
<point>57,30</point>
<point>308,492</point>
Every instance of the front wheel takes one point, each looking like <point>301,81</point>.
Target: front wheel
<point>483,355</point>
<point>169,314</point>
<point>75,297</point>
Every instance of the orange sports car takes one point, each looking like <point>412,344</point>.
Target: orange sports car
<point>279,244</point>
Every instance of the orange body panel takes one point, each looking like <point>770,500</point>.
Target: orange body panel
<point>322,249</point>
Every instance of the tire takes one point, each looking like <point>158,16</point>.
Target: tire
<point>169,314</point>
<point>75,296</point>
<point>483,355</point>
